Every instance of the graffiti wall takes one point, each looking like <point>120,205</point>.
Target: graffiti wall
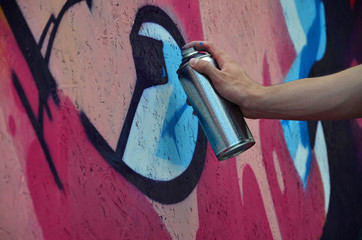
<point>97,141</point>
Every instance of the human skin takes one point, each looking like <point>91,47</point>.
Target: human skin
<point>331,97</point>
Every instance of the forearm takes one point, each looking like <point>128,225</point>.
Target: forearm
<point>336,96</point>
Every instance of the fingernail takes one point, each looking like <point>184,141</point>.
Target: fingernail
<point>193,61</point>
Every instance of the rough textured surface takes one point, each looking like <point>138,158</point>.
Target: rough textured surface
<point>97,142</point>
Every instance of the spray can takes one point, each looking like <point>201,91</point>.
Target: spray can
<point>221,120</point>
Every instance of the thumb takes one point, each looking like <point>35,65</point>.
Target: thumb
<point>205,67</point>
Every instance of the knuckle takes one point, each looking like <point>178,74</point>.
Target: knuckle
<point>210,44</point>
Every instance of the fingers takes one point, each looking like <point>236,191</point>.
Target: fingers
<point>220,56</point>
<point>206,68</point>
<point>195,44</point>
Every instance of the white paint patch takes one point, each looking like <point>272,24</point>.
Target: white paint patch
<point>156,31</point>
<point>300,161</point>
<point>323,33</point>
<point>145,134</point>
<point>278,172</point>
<point>320,149</point>
<point>294,25</point>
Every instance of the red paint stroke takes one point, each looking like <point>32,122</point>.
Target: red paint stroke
<point>12,126</point>
<point>352,2</point>
<point>256,223</point>
<point>284,45</point>
<point>96,202</point>
<point>353,55</point>
<point>222,213</point>
<point>187,15</point>
<point>219,200</point>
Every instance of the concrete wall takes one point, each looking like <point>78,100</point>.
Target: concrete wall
<point>97,141</point>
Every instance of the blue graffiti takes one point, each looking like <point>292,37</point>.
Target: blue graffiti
<point>307,29</point>
<point>180,126</point>
<point>163,135</point>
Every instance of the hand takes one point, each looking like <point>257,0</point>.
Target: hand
<point>230,81</point>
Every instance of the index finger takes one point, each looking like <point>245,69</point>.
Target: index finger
<point>219,55</point>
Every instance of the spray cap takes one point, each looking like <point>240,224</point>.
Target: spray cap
<point>188,52</point>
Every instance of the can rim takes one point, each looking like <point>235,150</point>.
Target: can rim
<point>235,149</point>
<point>187,63</point>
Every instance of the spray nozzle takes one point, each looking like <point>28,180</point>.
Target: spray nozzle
<point>188,52</point>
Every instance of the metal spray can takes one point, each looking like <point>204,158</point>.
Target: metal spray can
<point>221,120</point>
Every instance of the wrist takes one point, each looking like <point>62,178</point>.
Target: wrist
<point>254,103</point>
